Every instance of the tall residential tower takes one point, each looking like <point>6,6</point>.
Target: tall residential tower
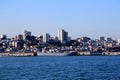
<point>26,33</point>
<point>46,37</point>
<point>62,36</point>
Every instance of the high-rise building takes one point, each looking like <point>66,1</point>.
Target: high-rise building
<point>26,33</point>
<point>19,37</point>
<point>102,38</point>
<point>108,39</point>
<point>62,36</point>
<point>46,37</point>
<point>3,36</point>
<point>105,39</point>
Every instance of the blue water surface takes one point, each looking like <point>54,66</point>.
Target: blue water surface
<point>60,68</point>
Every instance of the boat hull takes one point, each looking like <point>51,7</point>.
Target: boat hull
<point>57,54</point>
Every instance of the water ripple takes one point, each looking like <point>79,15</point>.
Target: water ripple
<point>60,68</point>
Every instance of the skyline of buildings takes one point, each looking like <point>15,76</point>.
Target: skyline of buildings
<point>62,35</point>
<point>88,18</point>
<point>29,42</point>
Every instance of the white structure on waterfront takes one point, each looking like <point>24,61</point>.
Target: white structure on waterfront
<point>46,37</point>
<point>62,36</point>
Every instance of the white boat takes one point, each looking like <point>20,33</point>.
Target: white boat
<point>57,54</point>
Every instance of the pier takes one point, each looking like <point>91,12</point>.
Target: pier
<point>18,54</point>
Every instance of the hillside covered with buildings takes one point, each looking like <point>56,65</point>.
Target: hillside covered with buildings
<point>27,42</point>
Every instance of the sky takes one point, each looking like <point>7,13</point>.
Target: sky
<point>92,18</point>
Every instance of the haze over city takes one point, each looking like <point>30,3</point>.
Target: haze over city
<point>92,18</point>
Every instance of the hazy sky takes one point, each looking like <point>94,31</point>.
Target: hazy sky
<point>92,18</point>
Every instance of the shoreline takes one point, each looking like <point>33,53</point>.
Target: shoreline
<point>59,54</point>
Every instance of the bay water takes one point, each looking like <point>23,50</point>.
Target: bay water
<point>60,68</point>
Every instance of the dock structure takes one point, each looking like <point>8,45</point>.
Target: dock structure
<point>98,54</point>
<point>111,53</point>
<point>18,54</point>
<point>88,53</point>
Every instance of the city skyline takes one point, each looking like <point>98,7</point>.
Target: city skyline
<point>79,17</point>
<point>62,35</point>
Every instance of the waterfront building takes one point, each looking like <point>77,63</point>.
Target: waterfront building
<point>46,37</point>
<point>26,33</point>
<point>62,36</point>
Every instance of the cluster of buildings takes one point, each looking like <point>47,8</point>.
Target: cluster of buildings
<point>27,42</point>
